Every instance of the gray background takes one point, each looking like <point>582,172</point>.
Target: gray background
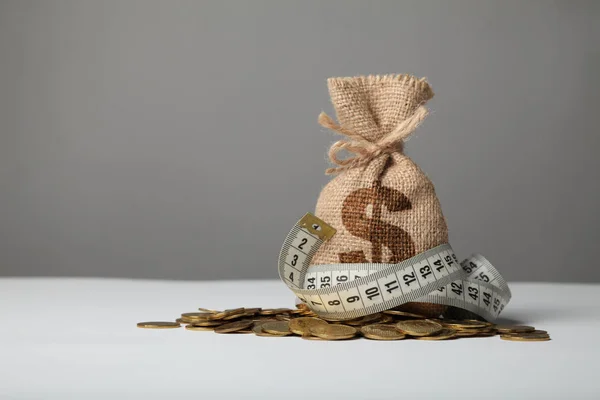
<point>178,139</point>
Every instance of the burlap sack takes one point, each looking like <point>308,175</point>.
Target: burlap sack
<point>383,206</point>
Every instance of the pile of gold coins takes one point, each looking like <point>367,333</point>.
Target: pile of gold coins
<point>388,325</point>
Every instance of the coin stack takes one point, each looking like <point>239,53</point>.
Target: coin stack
<point>388,325</point>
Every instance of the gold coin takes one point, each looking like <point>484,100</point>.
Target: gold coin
<point>487,324</point>
<point>234,326</point>
<point>487,329</point>
<point>309,337</point>
<point>333,331</point>
<point>454,324</point>
<point>541,333</point>
<point>221,314</point>
<point>419,327</point>
<point>257,329</point>
<point>514,328</point>
<point>193,320</point>
<point>371,318</point>
<point>525,338</point>
<point>403,314</point>
<point>206,310</point>
<point>277,328</point>
<point>308,314</point>
<point>486,333</point>
<point>195,316</point>
<point>536,332</point>
<point>366,320</point>
<point>264,334</point>
<point>476,332</point>
<point>446,333</point>
<point>386,319</point>
<point>466,332</point>
<point>198,328</point>
<point>381,332</point>
<point>301,326</point>
<point>263,318</point>
<point>205,323</point>
<point>188,321</point>
<point>273,311</point>
<point>226,313</point>
<point>158,325</point>
<point>331,320</point>
<point>243,331</point>
<point>229,317</point>
<point>234,310</point>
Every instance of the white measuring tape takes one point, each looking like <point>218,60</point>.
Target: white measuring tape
<point>345,291</point>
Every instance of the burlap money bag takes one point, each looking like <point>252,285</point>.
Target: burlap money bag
<point>382,205</point>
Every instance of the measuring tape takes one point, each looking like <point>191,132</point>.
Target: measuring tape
<point>346,291</point>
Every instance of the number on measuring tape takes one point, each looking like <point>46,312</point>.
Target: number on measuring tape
<point>339,277</point>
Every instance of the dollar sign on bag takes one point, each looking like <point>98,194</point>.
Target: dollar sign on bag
<point>372,228</point>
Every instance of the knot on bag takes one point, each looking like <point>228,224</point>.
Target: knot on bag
<point>365,150</point>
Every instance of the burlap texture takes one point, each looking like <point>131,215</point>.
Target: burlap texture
<point>387,210</point>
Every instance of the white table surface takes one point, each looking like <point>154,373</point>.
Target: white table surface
<point>77,338</point>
